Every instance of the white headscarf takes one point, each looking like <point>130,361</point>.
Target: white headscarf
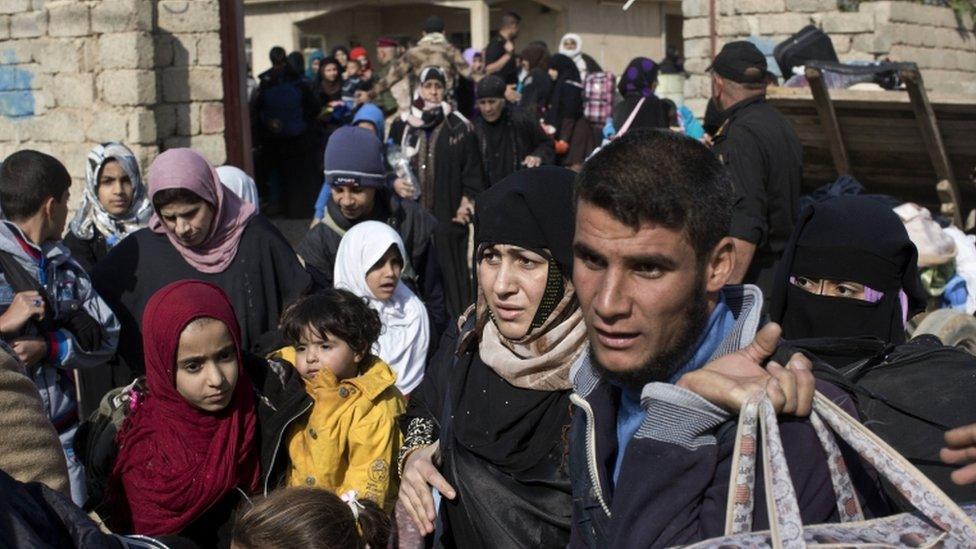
<point>406,332</point>
<point>239,183</point>
<point>575,54</point>
<point>92,214</point>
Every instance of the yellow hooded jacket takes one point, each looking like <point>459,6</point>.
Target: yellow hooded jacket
<point>351,438</point>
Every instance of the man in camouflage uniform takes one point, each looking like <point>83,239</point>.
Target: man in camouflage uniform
<point>433,49</point>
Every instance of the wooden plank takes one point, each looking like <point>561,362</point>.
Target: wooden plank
<point>879,99</point>
<point>929,127</point>
<point>237,115</point>
<point>828,120</point>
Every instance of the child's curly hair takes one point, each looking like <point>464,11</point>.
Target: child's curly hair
<point>339,313</point>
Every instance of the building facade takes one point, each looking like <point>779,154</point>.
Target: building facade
<point>610,35</point>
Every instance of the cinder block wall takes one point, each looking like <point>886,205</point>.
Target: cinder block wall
<point>942,45</point>
<point>76,73</point>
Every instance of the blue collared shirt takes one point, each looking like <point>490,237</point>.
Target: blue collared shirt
<point>630,413</point>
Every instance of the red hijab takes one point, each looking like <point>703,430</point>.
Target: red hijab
<point>175,461</point>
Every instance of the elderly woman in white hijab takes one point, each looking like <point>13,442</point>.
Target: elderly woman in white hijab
<point>368,264</point>
<point>571,45</point>
<point>113,206</point>
<point>239,183</point>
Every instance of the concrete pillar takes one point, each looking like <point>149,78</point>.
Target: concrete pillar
<point>480,24</point>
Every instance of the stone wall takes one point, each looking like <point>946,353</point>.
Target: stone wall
<point>77,73</point>
<point>943,46</point>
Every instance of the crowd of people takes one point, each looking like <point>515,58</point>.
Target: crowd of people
<point>511,324</point>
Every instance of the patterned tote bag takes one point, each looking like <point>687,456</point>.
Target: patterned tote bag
<point>938,521</point>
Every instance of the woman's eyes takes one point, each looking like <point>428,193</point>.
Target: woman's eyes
<point>846,290</point>
<point>808,284</point>
<point>192,367</point>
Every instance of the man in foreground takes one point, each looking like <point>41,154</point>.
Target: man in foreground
<point>673,354</point>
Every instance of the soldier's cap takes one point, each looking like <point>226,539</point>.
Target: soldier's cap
<point>433,24</point>
<point>740,62</point>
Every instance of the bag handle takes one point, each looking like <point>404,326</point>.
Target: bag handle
<point>739,508</point>
<point>786,527</point>
<point>917,488</point>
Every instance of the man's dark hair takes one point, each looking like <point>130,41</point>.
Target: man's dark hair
<point>296,62</point>
<point>27,179</point>
<point>278,55</point>
<point>663,177</point>
<point>510,18</point>
<point>340,313</point>
<point>166,197</point>
<point>433,24</point>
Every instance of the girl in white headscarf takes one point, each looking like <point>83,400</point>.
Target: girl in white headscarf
<point>113,206</point>
<point>369,262</point>
<point>571,45</point>
<point>240,184</point>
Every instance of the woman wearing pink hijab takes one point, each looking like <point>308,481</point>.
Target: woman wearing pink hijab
<point>199,230</point>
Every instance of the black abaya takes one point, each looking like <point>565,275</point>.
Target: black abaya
<point>457,173</point>
<point>503,450</point>
<point>263,278</point>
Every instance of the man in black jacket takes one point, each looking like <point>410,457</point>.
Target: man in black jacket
<point>761,149</point>
<point>360,192</point>
<point>509,140</point>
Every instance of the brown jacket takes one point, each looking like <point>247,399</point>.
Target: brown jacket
<point>433,49</point>
<point>32,451</point>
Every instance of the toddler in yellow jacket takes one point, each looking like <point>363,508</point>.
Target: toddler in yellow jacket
<point>351,438</point>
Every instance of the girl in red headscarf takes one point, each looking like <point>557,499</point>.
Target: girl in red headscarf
<point>195,444</point>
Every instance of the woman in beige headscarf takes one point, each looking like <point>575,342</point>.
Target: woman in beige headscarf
<point>486,425</point>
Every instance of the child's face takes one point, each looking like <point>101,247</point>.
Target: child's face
<point>352,68</point>
<point>316,352</point>
<point>206,365</point>
<point>383,277</point>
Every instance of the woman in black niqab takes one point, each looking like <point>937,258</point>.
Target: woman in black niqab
<point>848,271</point>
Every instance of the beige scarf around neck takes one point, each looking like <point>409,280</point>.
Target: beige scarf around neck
<point>542,359</point>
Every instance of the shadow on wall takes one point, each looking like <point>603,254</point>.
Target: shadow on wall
<point>175,120</point>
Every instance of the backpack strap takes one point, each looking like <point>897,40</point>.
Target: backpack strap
<point>17,276</point>
<point>22,281</point>
<point>331,223</point>
<point>631,117</point>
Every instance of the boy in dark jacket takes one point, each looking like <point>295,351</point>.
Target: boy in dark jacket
<point>356,175</point>
<point>673,354</point>
<point>52,318</point>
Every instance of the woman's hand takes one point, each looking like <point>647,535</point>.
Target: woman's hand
<point>728,382</point>
<point>465,211</point>
<point>420,474</point>
<point>30,350</point>
<point>26,305</point>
